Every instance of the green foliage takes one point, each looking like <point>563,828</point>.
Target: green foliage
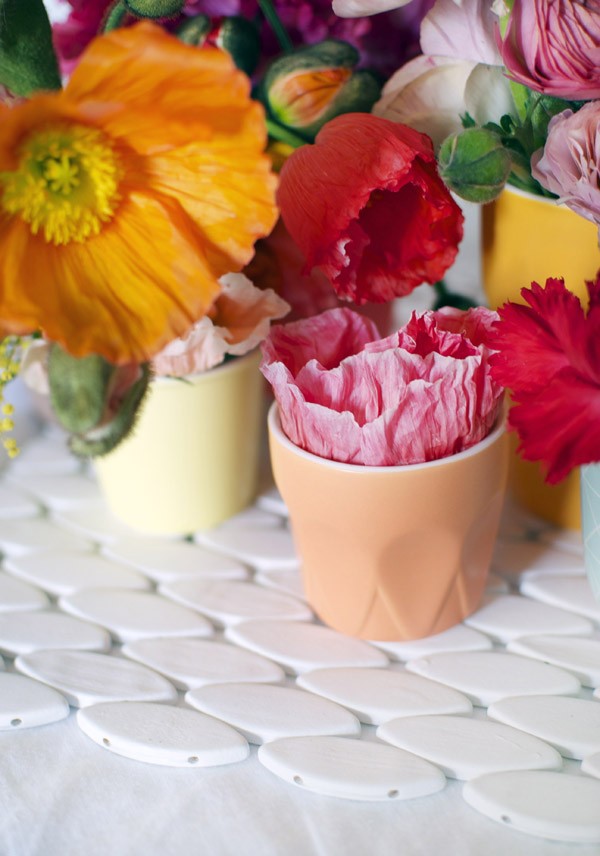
<point>27,59</point>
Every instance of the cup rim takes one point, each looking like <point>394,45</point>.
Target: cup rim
<point>274,423</point>
<point>227,367</point>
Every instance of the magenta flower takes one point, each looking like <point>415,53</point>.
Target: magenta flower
<point>423,393</point>
<point>569,163</point>
<point>553,46</point>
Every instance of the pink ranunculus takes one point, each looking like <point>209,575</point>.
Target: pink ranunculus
<point>423,393</point>
<point>553,46</point>
<point>569,163</point>
<point>238,322</point>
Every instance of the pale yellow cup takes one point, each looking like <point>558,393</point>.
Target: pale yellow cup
<point>529,238</point>
<point>393,553</point>
<point>192,460</point>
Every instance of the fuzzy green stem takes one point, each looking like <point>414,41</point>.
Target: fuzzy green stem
<point>115,15</point>
<point>284,135</point>
<point>274,20</point>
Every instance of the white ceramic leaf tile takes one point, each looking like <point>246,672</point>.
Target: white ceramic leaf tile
<point>287,581</point>
<point>162,734</point>
<point>94,522</point>
<point>25,703</point>
<point>458,638</point>
<point>597,693</point>
<point>165,561</point>
<point>61,491</point>
<point>301,647</point>
<point>22,537</point>
<point>230,602</point>
<point>46,454</point>
<point>463,747</point>
<point>2,664</point>
<point>17,595</point>
<point>565,539</point>
<point>15,503</point>
<point>130,615</point>
<point>22,632</point>
<point>570,724</point>
<point>512,558</point>
<point>351,769</point>
<point>577,654</point>
<point>265,549</point>
<point>556,806</point>
<point>574,594</point>
<point>488,676</point>
<point>378,695</point>
<point>591,765</point>
<point>85,678</point>
<point>253,517</point>
<point>67,571</point>
<point>196,662</point>
<point>262,712</point>
<point>506,617</point>
<point>271,500</point>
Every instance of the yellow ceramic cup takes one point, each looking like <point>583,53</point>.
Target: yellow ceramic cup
<point>529,238</point>
<point>192,460</point>
<point>393,553</point>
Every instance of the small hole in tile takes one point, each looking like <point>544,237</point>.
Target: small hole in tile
<point>193,759</point>
<point>16,722</point>
<point>298,780</point>
<point>106,741</point>
<point>392,794</point>
<point>505,819</point>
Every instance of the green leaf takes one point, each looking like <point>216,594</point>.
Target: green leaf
<point>27,59</point>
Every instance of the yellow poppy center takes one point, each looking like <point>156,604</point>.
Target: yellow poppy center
<point>66,184</point>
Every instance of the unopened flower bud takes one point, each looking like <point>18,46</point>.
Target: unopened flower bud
<point>474,164</point>
<point>155,8</point>
<point>241,39</point>
<point>309,86</point>
<point>195,30</point>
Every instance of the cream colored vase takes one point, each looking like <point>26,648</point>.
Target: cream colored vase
<point>192,460</point>
<point>528,238</point>
<point>393,553</point>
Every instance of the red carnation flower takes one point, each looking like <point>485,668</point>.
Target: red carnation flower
<point>549,357</point>
<point>366,205</point>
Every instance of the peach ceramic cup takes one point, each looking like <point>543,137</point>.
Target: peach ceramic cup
<point>393,553</point>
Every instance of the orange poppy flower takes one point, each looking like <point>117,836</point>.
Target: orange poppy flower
<point>125,196</point>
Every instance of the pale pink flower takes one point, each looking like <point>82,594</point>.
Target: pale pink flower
<point>358,8</point>
<point>421,394</point>
<point>553,46</point>
<point>237,324</point>
<point>461,31</point>
<point>569,163</point>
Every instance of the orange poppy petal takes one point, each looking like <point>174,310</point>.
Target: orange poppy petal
<point>124,294</point>
<point>233,200</point>
<point>131,76</point>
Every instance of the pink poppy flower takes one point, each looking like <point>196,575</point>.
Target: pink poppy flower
<point>549,357</point>
<point>421,394</point>
<point>238,322</point>
<point>366,205</point>
<point>553,46</point>
<point>569,163</point>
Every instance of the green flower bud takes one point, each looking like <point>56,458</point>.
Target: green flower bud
<point>155,8</point>
<point>241,39</point>
<point>194,31</point>
<point>474,164</point>
<point>307,87</point>
<point>27,58</point>
<point>85,400</point>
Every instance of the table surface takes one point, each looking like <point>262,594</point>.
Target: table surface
<point>61,793</point>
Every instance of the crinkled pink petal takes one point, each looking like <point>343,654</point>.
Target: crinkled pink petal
<point>240,320</point>
<point>387,402</point>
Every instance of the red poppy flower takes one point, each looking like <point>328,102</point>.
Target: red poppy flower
<point>549,357</point>
<point>366,205</point>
